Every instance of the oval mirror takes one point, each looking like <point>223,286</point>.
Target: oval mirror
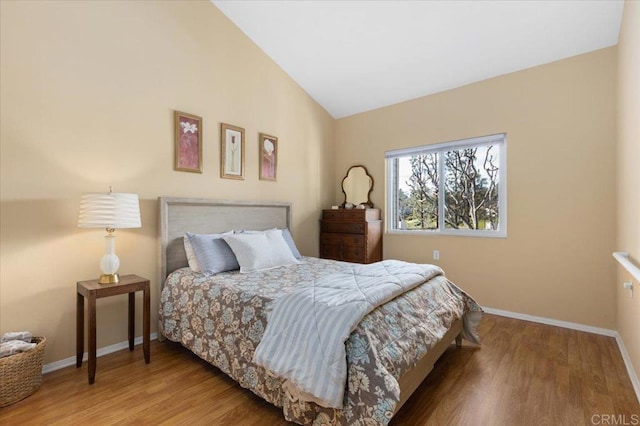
<point>356,186</point>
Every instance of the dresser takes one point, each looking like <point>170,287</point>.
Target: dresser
<point>351,235</point>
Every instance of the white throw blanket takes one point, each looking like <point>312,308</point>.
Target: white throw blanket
<point>24,336</point>
<point>306,331</point>
<point>15,342</point>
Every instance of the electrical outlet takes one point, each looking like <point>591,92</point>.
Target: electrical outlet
<point>436,255</point>
<point>628,286</point>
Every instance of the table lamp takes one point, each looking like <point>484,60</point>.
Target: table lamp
<point>111,211</point>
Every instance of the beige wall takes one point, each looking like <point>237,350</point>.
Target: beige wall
<point>87,93</point>
<point>628,168</point>
<point>560,124</point>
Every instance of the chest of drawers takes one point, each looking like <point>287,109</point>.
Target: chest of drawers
<point>351,235</point>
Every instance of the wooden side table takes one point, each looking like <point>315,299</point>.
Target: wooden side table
<point>93,290</point>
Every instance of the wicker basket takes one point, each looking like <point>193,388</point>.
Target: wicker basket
<point>21,374</point>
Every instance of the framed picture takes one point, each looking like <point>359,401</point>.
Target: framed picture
<point>188,143</point>
<point>231,152</point>
<point>268,156</point>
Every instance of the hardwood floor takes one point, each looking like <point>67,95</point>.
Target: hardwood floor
<point>523,374</point>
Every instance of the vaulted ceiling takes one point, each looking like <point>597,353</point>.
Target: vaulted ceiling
<point>354,56</point>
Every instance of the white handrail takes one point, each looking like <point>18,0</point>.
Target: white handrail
<point>623,258</point>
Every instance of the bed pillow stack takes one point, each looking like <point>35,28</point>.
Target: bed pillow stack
<point>248,251</point>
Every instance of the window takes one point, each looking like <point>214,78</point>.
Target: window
<point>451,188</point>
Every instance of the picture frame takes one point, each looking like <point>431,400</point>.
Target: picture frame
<point>231,152</point>
<point>188,142</point>
<point>268,164</point>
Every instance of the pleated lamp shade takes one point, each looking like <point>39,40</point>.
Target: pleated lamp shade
<point>109,210</point>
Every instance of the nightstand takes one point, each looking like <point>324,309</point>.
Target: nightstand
<point>93,290</point>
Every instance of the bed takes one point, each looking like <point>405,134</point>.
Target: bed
<point>223,318</point>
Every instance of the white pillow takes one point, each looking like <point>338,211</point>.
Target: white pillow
<point>261,251</point>
<point>286,234</point>
<point>191,256</point>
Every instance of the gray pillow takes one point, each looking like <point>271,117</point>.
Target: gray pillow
<point>213,253</point>
<point>286,234</point>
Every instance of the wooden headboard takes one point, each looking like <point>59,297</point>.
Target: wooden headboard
<point>203,216</point>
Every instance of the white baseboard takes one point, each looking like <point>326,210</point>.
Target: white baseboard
<point>549,321</point>
<point>627,361</point>
<point>57,365</point>
<point>635,382</point>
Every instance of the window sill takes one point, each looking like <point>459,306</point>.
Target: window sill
<point>449,233</point>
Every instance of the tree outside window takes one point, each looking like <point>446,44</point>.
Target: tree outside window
<point>450,187</point>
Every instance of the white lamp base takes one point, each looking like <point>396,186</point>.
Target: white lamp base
<point>109,263</point>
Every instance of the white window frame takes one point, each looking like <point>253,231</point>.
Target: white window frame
<point>499,139</point>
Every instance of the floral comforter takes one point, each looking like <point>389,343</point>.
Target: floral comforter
<point>222,319</point>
